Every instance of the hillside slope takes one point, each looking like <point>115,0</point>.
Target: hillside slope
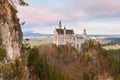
<point>93,63</point>
<point>69,62</point>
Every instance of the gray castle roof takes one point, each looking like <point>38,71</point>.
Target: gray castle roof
<point>68,31</point>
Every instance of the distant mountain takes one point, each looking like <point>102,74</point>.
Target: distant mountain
<point>30,33</point>
<point>105,36</point>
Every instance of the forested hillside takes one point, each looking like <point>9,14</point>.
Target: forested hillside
<point>49,62</point>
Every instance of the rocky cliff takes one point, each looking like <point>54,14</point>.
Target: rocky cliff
<point>10,29</point>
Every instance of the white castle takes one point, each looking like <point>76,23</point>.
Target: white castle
<point>67,36</point>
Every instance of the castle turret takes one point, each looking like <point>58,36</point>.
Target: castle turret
<point>64,34</point>
<point>84,34</point>
<point>60,24</point>
<point>64,30</point>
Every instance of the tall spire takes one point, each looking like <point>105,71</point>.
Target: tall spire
<point>64,28</point>
<point>84,33</point>
<point>60,24</point>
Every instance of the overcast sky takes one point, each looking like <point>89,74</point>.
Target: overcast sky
<point>96,16</point>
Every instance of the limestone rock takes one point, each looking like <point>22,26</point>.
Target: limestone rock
<point>10,29</point>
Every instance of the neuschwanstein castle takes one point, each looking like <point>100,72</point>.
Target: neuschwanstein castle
<point>63,36</point>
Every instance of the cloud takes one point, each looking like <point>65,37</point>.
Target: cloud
<point>101,8</point>
<point>43,15</point>
<point>69,9</point>
<point>91,26</point>
<point>92,14</point>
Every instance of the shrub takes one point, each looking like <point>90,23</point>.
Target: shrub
<point>2,54</point>
<point>2,50</point>
<point>85,76</point>
<point>90,44</point>
<point>26,46</point>
<point>33,57</point>
<point>10,71</point>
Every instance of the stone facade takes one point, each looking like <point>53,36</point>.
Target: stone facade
<point>64,36</point>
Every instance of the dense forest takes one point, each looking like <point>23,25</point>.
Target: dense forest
<point>49,62</point>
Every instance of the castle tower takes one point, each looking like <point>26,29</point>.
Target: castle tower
<point>64,30</point>
<point>84,34</point>
<point>60,24</point>
<point>64,35</point>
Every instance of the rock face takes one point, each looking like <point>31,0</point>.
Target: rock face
<point>10,29</point>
